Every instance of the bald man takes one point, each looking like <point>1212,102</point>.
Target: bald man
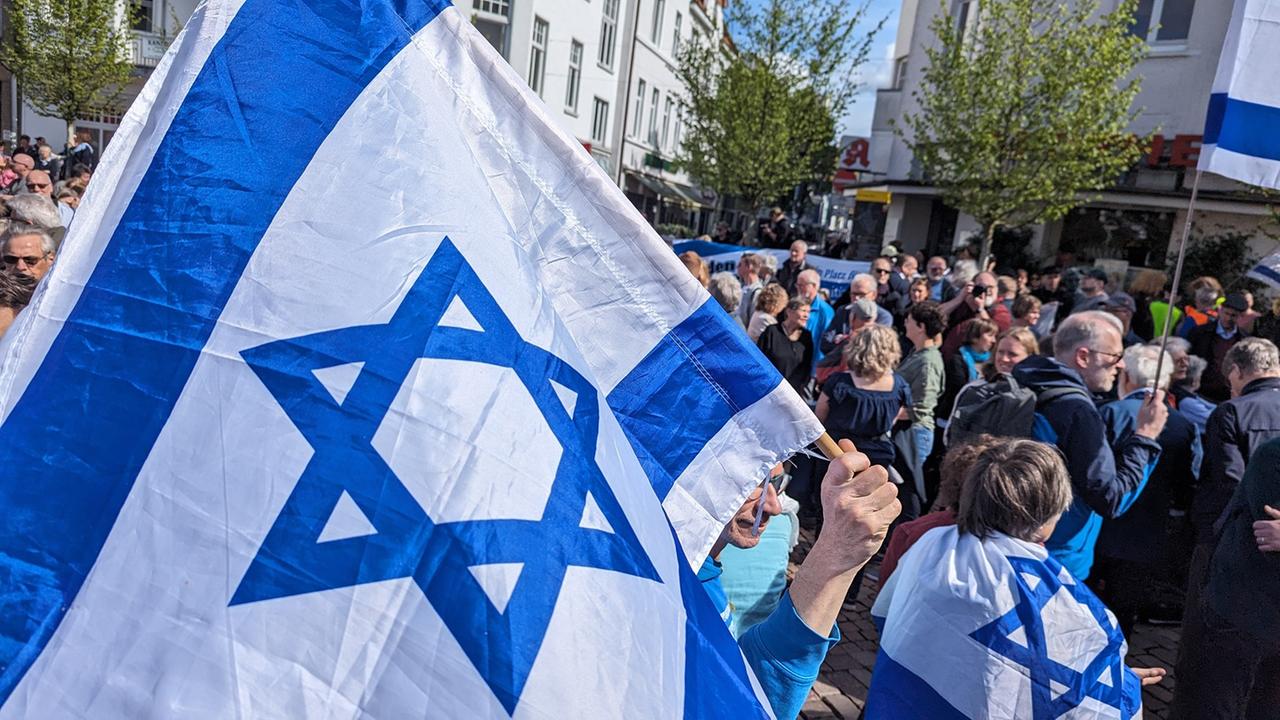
<point>22,165</point>
<point>39,183</point>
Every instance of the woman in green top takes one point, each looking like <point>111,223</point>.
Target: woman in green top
<point>923,371</point>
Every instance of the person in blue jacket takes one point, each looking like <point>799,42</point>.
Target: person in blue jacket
<point>786,650</point>
<point>1133,549</point>
<point>1105,481</point>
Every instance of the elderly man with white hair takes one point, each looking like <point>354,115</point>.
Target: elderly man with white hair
<point>862,287</point>
<point>1132,546</point>
<point>1106,479</point>
<point>820,313</point>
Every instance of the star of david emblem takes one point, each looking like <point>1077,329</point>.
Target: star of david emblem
<point>582,524</point>
<point>1057,688</point>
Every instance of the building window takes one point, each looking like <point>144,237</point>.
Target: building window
<point>637,115</point>
<point>140,15</point>
<point>675,37</point>
<point>600,122</point>
<point>608,34</point>
<point>538,54</point>
<point>678,139</point>
<point>493,19</point>
<point>653,117</point>
<point>900,73</point>
<point>666,120</point>
<point>1174,20</point>
<point>575,77</point>
<point>659,8</point>
<point>966,18</point>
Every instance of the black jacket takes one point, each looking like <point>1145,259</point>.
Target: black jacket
<point>1234,431</point>
<point>787,274</point>
<point>1244,582</point>
<point>1202,338</point>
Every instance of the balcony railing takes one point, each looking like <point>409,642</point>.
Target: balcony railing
<point>147,49</point>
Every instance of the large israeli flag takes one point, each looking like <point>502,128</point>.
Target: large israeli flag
<point>995,629</point>
<point>1242,130</point>
<point>358,390</point>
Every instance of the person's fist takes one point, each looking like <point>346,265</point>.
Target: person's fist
<point>1267,532</point>
<point>858,504</point>
<point>1153,415</point>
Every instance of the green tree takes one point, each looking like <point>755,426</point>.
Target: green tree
<point>1025,109</point>
<point>761,119</point>
<point>71,57</point>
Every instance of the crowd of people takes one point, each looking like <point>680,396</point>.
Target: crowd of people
<point>1169,516</point>
<point>40,192</point>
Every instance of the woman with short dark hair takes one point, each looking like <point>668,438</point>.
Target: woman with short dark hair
<point>980,621</point>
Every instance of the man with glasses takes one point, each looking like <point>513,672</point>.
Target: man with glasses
<point>891,288</point>
<point>27,250</point>
<point>22,165</point>
<point>863,287</point>
<point>1105,480</point>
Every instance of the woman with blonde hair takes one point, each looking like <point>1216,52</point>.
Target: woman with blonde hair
<point>771,300</point>
<point>1012,347</point>
<point>1149,291</point>
<point>862,404</point>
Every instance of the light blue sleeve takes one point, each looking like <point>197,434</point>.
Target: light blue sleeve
<point>785,655</point>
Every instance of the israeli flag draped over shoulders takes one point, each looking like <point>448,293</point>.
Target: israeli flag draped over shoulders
<point>358,390</point>
<point>1242,129</point>
<point>995,629</point>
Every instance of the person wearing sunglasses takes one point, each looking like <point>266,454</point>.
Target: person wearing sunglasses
<point>787,648</point>
<point>1106,479</point>
<point>27,250</point>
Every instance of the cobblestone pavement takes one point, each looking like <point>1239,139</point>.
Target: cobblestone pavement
<point>841,688</point>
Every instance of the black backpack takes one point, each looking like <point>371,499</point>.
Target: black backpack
<point>1002,407</point>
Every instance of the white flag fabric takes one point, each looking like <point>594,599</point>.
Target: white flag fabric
<point>1267,270</point>
<point>358,390</point>
<point>1242,129</point>
<point>1011,635</point>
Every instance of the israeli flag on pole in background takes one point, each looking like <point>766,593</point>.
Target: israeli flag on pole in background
<point>1267,270</point>
<point>358,390</point>
<point>1011,636</point>
<point>1242,130</point>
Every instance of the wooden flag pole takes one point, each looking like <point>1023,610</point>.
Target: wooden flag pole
<point>828,446</point>
<point>1177,280</point>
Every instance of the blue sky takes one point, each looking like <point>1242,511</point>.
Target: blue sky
<point>878,69</point>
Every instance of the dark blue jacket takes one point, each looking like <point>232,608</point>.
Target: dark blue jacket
<point>1234,430</point>
<point>1105,481</point>
<point>1139,534</point>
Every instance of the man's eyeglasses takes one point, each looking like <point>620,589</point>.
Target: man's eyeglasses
<point>37,186</point>
<point>1115,357</point>
<point>28,260</point>
<point>880,271</point>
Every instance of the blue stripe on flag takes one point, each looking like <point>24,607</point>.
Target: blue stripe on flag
<point>271,91</point>
<point>898,694</point>
<point>1243,127</point>
<point>1266,274</point>
<point>716,684</point>
<point>686,389</point>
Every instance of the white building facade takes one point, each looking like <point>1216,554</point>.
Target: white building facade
<point>155,24</point>
<point>606,70</point>
<point>1142,215</point>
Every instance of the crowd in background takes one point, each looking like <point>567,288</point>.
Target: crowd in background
<point>926,364</point>
<point>40,191</point>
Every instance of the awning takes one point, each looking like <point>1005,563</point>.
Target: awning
<point>671,191</point>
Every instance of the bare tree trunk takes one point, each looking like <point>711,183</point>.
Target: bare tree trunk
<point>988,237</point>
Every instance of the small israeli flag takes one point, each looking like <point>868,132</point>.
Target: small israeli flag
<point>1010,636</point>
<point>1242,130</point>
<point>358,390</point>
<point>1267,270</point>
